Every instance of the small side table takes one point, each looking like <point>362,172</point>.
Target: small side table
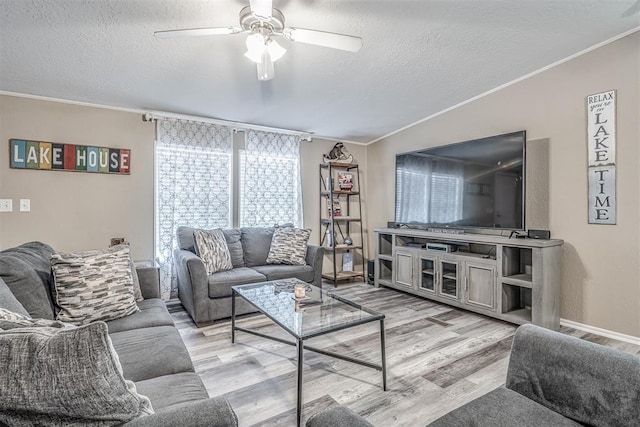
<point>149,277</point>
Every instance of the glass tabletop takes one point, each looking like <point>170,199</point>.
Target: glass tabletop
<point>320,312</point>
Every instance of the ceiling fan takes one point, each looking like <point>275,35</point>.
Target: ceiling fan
<point>263,23</point>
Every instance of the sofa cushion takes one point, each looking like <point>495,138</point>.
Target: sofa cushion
<point>220,283</point>
<point>278,272</point>
<point>288,246</point>
<point>503,408</point>
<point>256,242</point>
<point>584,381</point>
<point>9,301</point>
<point>54,376</point>
<point>93,285</point>
<point>234,244</point>
<point>151,352</point>
<point>211,247</point>
<point>26,269</point>
<point>153,312</point>
<point>174,389</point>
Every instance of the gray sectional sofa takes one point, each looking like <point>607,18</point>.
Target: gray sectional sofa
<point>552,380</point>
<point>208,298</point>
<point>148,345</point>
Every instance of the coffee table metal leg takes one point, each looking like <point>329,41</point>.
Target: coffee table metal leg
<point>384,357</point>
<point>300,348</point>
<point>233,316</point>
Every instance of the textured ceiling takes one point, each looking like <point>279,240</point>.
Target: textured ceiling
<point>418,57</point>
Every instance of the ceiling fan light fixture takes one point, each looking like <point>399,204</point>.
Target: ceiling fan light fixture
<point>275,50</point>
<point>257,44</point>
<point>255,47</point>
<point>265,67</point>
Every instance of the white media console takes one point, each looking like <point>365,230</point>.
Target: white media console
<point>517,280</point>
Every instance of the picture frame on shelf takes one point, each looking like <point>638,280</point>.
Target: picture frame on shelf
<point>336,210</point>
<point>345,181</point>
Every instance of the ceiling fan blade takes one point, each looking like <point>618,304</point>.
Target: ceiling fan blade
<point>196,32</point>
<point>322,38</point>
<point>261,8</point>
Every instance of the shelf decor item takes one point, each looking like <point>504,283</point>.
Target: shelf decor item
<point>338,154</point>
<point>347,261</point>
<point>345,181</point>
<point>336,210</point>
<point>348,241</point>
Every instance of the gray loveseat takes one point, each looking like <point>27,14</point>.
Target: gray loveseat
<point>149,347</point>
<point>208,298</point>
<point>552,380</point>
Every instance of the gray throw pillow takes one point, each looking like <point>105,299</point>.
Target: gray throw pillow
<point>288,246</point>
<point>234,244</point>
<point>93,285</point>
<point>9,301</point>
<point>211,247</point>
<point>56,376</point>
<point>26,269</point>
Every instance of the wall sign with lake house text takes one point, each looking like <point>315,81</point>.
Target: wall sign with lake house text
<point>39,155</point>
<point>601,137</point>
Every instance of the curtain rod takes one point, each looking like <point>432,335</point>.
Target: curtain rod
<point>237,126</point>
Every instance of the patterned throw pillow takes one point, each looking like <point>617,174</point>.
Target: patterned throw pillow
<point>137,292</point>
<point>211,247</point>
<point>12,320</point>
<point>65,376</point>
<point>93,285</point>
<point>288,246</point>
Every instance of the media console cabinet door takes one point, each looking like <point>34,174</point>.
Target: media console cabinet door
<point>480,281</point>
<point>404,269</point>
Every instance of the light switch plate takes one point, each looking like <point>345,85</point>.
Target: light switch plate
<point>6,205</point>
<point>25,205</point>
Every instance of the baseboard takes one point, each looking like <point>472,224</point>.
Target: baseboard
<point>599,331</point>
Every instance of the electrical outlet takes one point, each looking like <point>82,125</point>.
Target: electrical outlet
<point>25,205</point>
<point>6,205</point>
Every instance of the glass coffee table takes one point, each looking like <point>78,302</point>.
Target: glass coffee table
<point>319,313</point>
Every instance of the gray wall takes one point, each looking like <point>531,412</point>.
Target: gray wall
<point>600,276</point>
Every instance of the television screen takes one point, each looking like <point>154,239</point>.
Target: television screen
<point>472,184</point>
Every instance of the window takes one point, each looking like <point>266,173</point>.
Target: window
<point>270,183</point>
<point>193,185</point>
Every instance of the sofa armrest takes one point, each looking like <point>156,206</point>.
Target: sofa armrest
<point>193,284</point>
<point>337,416</point>
<point>314,258</point>
<point>213,412</point>
<point>586,382</point>
<point>149,279</point>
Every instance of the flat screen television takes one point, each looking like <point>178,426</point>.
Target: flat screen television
<point>471,184</point>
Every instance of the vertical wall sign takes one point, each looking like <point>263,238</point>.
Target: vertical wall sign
<point>601,137</point>
<point>24,154</point>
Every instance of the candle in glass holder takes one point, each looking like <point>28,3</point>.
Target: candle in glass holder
<point>298,291</point>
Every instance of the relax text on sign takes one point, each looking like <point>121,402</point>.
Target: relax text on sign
<point>68,157</point>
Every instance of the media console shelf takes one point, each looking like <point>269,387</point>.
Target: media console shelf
<point>517,280</point>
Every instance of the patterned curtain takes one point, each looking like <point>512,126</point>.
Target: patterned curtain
<point>193,185</point>
<point>270,183</point>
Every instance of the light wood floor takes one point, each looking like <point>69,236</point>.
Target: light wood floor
<point>438,358</point>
